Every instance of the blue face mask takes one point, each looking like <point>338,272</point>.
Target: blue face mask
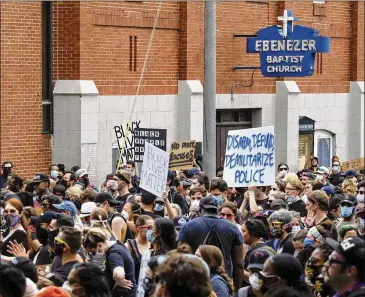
<point>219,199</point>
<point>149,236</point>
<point>159,207</point>
<point>361,223</point>
<point>346,211</point>
<point>308,242</point>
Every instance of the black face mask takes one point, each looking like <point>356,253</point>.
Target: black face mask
<point>6,171</point>
<point>58,249</point>
<point>42,235</point>
<point>62,182</point>
<point>148,286</point>
<point>86,181</point>
<point>51,236</point>
<point>14,188</point>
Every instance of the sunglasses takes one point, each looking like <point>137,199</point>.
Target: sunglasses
<point>146,227</point>
<point>283,168</point>
<point>333,261</point>
<point>45,204</point>
<point>227,215</point>
<point>60,241</point>
<point>361,192</point>
<point>276,224</point>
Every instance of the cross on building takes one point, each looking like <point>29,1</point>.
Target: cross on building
<point>288,24</point>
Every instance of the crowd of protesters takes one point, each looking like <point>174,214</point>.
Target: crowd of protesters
<point>302,236</point>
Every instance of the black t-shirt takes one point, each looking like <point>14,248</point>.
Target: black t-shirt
<point>286,246</point>
<point>43,256</point>
<point>195,231</point>
<point>179,200</point>
<point>250,250</point>
<point>298,206</point>
<point>151,214</point>
<point>61,272</point>
<point>118,255</point>
<point>19,235</point>
<point>123,199</point>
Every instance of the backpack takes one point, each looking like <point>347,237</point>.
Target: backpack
<point>244,292</point>
<point>213,238</point>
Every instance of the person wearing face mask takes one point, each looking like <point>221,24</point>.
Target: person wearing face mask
<point>140,244</point>
<point>59,220</point>
<point>159,206</point>
<point>292,191</point>
<point>68,208</point>
<point>347,206</point>
<point>122,179</point>
<point>162,236</point>
<point>18,229</point>
<point>255,265</point>
<point>41,188</point>
<point>6,168</point>
<point>316,236</point>
<point>219,190</point>
<point>87,280</point>
<point>360,193</point>
<point>86,210</point>
<point>360,220</point>
<point>53,172</point>
<point>68,179</point>
<point>336,176</point>
<point>280,229</point>
<point>66,245</point>
<point>282,274</point>
<point>313,271</point>
<point>119,264</point>
<point>196,194</point>
<point>15,184</point>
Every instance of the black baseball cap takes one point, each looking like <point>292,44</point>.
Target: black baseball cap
<point>208,202</point>
<point>47,217</point>
<point>59,190</point>
<point>352,249</point>
<point>278,202</point>
<point>53,199</point>
<point>40,177</point>
<point>105,196</point>
<point>258,258</point>
<point>349,198</point>
<point>179,221</point>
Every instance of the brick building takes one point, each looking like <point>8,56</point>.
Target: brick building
<point>106,43</point>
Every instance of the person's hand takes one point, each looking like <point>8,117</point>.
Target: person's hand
<point>17,249</point>
<point>41,272</point>
<point>309,219</point>
<point>252,188</point>
<point>124,283</point>
<point>165,196</point>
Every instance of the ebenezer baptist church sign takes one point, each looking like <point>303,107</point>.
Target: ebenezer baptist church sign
<point>288,50</point>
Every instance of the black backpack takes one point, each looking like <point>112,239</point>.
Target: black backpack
<point>212,237</point>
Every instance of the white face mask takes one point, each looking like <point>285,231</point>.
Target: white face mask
<point>254,281</point>
<point>360,198</point>
<point>319,177</point>
<point>125,215</point>
<point>335,168</point>
<point>295,229</point>
<point>195,203</point>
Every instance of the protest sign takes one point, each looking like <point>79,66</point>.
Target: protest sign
<point>182,155</point>
<point>156,137</point>
<point>154,169</point>
<point>250,157</point>
<point>125,138</point>
<point>355,164</point>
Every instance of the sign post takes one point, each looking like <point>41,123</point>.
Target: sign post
<point>250,157</point>
<point>289,50</point>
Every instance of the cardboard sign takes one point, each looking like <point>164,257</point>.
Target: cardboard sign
<point>156,137</point>
<point>356,164</point>
<point>250,157</point>
<point>154,169</point>
<point>182,155</point>
<point>126,147</point>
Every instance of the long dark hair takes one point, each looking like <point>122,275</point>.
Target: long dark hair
<point>92,279</point>
<point>166,238</point>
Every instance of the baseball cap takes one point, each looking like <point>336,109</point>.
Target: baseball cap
<point>68,206</point>
<point>349,198</point>
<point>105,196</point>
<point>159,199</point>
<point>258,258</point>
<point>47,217</point>
<point>40,177</point>
<point>109,176</point>
<point>351,172</point>
<point>278,202</point>
<point>328,190</point>
<point>87,208</point>
<point>359,209</point>
<point>352,249</point>
<point>323,170</point>
<point>124,175</point>
<point>59,190</point>
<point>27,267</point>
<point>80,173</point>
<point>179,221</point>
<point>208,202</point>
<point>53,199</point>
<point>334,202</point>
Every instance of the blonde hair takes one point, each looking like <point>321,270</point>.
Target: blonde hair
<point>100,215</point>
<point>290,178</point>
<point>74,191</point>
<point>296,183</point>
<point>349,187</point>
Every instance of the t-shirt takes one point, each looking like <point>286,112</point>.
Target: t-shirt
<point>220,286</point>
<point>250,250</point>
<point>195,231</point>
<point>179,200</point>
<point>63,271</point>
<point>43,256</point>
<point>19,235</point>
<point>118,255</point>
<point>286,246</point>
<point>123,199</point>
<point>298,206</point>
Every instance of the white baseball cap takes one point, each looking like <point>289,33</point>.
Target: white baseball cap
<point>87,208</point>
<point>323,170</point>
<point>81,172</point>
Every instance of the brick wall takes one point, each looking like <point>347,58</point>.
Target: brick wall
<point>21,136</point>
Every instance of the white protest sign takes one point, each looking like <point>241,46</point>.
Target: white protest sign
<point>250,157</point>
<point>154,169</point>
